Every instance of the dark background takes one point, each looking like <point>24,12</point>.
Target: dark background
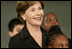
<point>62,9</point>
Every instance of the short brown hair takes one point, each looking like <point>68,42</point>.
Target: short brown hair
<point>22,6</point>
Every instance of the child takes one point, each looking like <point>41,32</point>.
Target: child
<point>15,26</point>
<point>49,20</point>
<point>56,39</point>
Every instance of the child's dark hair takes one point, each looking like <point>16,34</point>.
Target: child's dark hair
<point>13,22</point>
<point>53,32</point>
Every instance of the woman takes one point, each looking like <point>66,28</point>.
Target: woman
<point>32,35</point>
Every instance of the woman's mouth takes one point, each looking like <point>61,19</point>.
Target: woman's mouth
<point>38,18</point>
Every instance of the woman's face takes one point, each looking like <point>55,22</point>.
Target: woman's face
<point>34,14</point>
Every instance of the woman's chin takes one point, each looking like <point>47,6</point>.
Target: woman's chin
<point>39,24</point>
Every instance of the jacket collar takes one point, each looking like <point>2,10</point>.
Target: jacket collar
<point>24,32</point>
<point>44,37</point>
<point>44,32</point>
<point>31,41</point>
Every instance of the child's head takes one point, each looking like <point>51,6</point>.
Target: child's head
<point>15,26</point>
<point>56,39</point>
<point>49,20</point>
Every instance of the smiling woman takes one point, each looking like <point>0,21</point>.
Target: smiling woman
<point>32,35</point>
<point>62,9</point>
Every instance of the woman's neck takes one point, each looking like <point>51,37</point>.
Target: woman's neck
<point>33,28</point>
<point>35,33</point>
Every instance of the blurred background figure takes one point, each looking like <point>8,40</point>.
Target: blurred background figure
<point>49,20</point>
<point>56,38</point>
<point>15,26</point>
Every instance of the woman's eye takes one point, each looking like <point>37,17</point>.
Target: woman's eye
<point>40,8</point>
<point>32,10</point>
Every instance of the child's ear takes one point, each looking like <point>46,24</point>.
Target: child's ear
<point>49,47</point>
<point>10,33</point>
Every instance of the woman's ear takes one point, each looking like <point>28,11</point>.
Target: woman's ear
<point>49,47</point>
<point>10,33</point>
<point>23,16</point>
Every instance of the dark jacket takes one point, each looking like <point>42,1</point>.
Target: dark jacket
<point>25,40</point>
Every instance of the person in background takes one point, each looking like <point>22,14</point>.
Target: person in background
<point>49,20</point>
<point>56,38</point>
<point>15,26</point>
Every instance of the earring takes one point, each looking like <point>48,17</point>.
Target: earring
<point>24,19</point>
